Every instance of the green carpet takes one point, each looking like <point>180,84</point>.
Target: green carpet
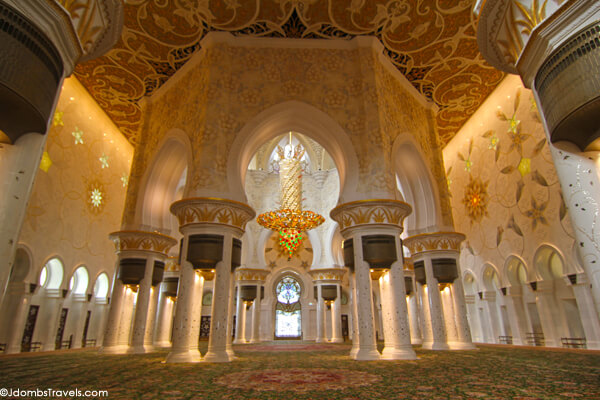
<point>267,371</point>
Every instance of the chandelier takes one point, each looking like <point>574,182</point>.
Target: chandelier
<point>290,220</point>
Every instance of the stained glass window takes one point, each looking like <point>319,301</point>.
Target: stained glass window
<point>288,290</point>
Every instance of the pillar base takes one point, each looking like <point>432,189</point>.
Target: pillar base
<point>337,340</point>
<point>416,341</point>
<point>186,356</point>
<point>353,352</point>
<point>435,346</point>
<point>462,346</point>
<point>255,341</point>
<point>239,341</point>
<point>320,340</point>
<point>166,343</point>
<point>367,355</point>
<point>120,349</point>
<point>390,353</point>
<point>592,345</point>
<point>216,357</point>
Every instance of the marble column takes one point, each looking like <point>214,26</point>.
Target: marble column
<point>463,331</point>
<point>436,314</point>
<point>547,308</point>
<point>489,298</point>
<point>395,323</point>
<point>255,336</point>
<point>13,315</point>
<point>516,315</point>
<point>189,294</point>
<point>354,309</point>
<point>587,312</point>
<point>367,349</point>
<point>449,313</point>
<point>163,319</point>
<point>110,343</point>
<point>320,316</point>
<point>336,317</point>
<point>151,321</point>
<point>415,322</point>
<point>217,342</point>
<point>425,316</point>
<point>240,320</point>
<point>230,313</point>
<point>141,309</point>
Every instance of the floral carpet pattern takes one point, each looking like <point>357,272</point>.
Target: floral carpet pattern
<point>491,372</point>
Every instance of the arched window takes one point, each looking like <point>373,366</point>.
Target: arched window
<point>288,317</point>
<point>79,281</point>
<point>52,274</point>
<point>101,286</point>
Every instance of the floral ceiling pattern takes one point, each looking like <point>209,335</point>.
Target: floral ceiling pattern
<point>431,42</point>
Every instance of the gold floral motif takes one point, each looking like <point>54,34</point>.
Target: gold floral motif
<point>475,199</point>
<point>251,274</point>
<point>362,212</point>
<point>143,241</point>
<point>439,241</point>
<point>212,210</point>
<point>327,274</point>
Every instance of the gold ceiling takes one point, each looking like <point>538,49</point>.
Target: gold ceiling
<point>431,42</point>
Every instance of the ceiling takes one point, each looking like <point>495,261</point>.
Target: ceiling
<point>430,42</point>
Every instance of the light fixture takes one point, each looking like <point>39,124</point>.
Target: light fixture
<point>290,220</point>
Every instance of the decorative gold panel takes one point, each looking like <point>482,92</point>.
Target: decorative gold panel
<point>369,212</point>
<point>212,210</point>
<point>327,274</point>
<point>432,43</point>
<point>439,241</point>
<point>142,241</point>
<point>251,274</point>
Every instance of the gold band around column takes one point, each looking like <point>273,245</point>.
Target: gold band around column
<point>209,210</point>
<point>370,212</point>
<point>432,242</point>
<point>142,241</point>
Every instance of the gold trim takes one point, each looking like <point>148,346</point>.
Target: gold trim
<point>371,201</point>
<point>216,199</point>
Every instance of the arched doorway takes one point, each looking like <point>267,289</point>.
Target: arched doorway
<point>288,310</point>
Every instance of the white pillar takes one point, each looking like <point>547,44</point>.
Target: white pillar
<point>151,321</point>
<point>463,332</point>
<point>18,168</point>
<point>141,309</point>
<point>425,316</point>
<point>354,310</point>
<point>588,314</point>
<point>516,315</point>
<point>547,308</point>
<point>163,318</point>
<point>364,295</point>
<point>230,311</point>
<point>450,324</point>
<point>255,338</point>
<point>110,342</point>
<point>240,322</point>
<point>320,315</point>
<point>489,298</point>
<point>336,317</point>
<point>415,326</point>
<point>436,314</point>
<point>13,315</point>
<point>189,294</point>
<point>79,308</point>
<point>217,342</point>
<point>397,333</point>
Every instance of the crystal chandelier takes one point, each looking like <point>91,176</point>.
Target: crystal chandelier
<point>290,220</point>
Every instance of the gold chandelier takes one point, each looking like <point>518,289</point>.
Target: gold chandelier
<point>290,220</point>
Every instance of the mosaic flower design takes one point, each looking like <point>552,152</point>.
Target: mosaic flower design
<point>536,213</point>
<point>78,135</point>
<point>475,199</point>
<point>104,161</point>
<point>524,166</point>
<point>57,120</point>
<point>96,197</point>
<point>45,162</point>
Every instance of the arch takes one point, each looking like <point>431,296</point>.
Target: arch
<point>470,284</point>
<point>516,271</point>
<point>302,118</point>
<point>101,286</point>
<point>21,265</point>
<point>490,277</point>
<point>415,183</point>
<point>79,281</point>
<point>51,274</point>
<point>164,182</point>
<point>549,262</point>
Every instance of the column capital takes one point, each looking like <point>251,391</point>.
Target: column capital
<point>150,242</point>
<point>434,242</point>
<point>327,275</point>
<point>378,213</point>
<point>209,211</point>
<point>251,274</point>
